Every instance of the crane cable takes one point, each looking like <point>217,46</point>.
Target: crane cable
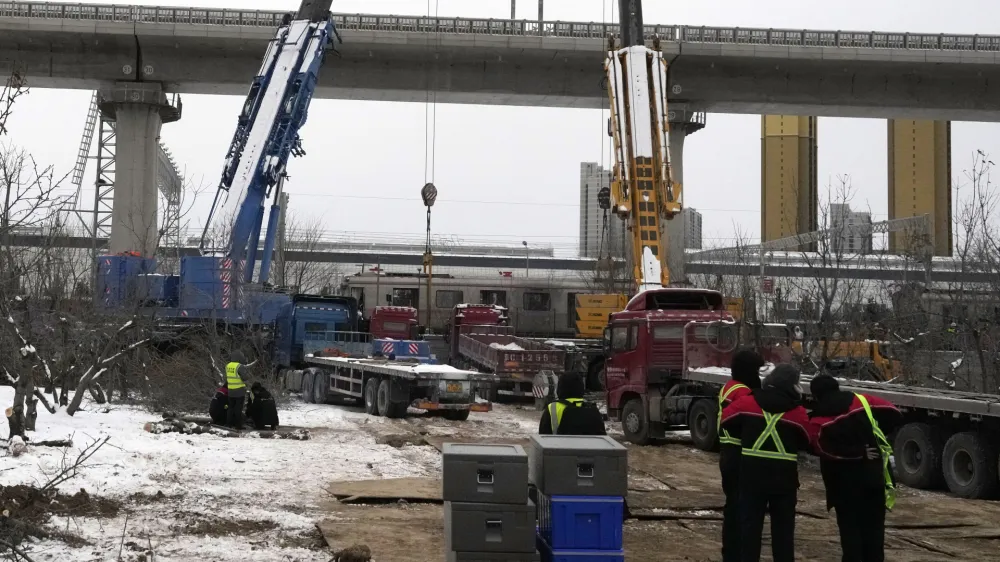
<point>430,106</point>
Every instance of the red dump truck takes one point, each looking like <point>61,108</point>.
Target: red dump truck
<point>393,322</point>
<point>481,339</point>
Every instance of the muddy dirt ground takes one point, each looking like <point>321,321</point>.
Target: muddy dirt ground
<point>676,497</point>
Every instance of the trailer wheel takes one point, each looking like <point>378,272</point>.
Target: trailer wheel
<point>456,415</point>
<point>970,466</point>
<point>321,386</point>
<point>307,386</point>
<point>389,408</point>
<point>635,424</point>
<point>702,420</point>
<point>918,450</point>
<point>371,397</point>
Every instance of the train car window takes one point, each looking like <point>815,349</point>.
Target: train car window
<point>448,299</point>
<point>537,302</point>
<point>571,310</point>
<point>619,338</point>
<point>406,297</point>
<point>498,298</point>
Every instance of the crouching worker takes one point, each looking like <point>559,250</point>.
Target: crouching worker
<point>220,404</point>
<point>570,414</point>
<point>261,408</point>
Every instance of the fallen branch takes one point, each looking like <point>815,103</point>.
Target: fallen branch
<point>16,550</point>
<point>52,443</point>
<point>69,472</point>
<point>187,418</point>
<point>44,401</point>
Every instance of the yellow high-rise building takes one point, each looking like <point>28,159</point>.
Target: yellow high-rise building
<point>788,194</point>
<point>920,179</point>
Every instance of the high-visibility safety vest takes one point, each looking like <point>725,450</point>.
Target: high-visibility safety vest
<point>770,431</point>
<point>233,380</point>
<point>886,449</point>
<point>724,436</point>
<point>556,410</point>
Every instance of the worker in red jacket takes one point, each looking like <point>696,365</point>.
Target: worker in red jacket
<point>772,427</point>
<point>855,463</point>
<point>745,371</point>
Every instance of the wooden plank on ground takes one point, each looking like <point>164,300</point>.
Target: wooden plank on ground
<point>410,489</point>
<point>411,534</point>
<point>438,441</point>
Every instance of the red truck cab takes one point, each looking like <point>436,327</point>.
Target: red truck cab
<point>473,315</point>
<point>652,348</point>
<point>394,322</point>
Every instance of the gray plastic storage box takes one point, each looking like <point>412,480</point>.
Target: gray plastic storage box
<point>484,473</point>
<point>493,557</point>
<point>486,527</point>
<point>578,465</point>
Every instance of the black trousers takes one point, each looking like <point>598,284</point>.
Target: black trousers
<point>861,520</point>
<point>729,467</point>
<point>754,503</point>
<point>234,414</point>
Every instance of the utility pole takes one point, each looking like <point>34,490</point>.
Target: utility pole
<point>513,13</point>
<point>630,19</point>
<point>541,11</point>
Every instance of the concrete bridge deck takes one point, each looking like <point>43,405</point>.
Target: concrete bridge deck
<point>515,62</point>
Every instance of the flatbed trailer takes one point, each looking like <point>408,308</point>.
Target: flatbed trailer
<point>387,388</point>
<point>512,361</point>
<point>948,438</point>
<point>584,357</point>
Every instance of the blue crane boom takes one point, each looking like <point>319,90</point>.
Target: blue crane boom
<point>267,134</point>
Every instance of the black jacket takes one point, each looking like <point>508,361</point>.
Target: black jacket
<point>261,409</point>
<point>584,419</point>
<point>745,418</point>
<point>217,409</point>
<point>844,433</point>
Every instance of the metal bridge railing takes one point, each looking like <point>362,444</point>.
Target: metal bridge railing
<point>480,26</point>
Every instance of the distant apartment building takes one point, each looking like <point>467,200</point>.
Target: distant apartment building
<point>691,219</point>
<point>592,218</point>
<point>846,239</point>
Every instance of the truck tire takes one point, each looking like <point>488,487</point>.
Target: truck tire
<point>595,377</point>
<point>307,387</point>
<point>970,466</point>
<point>918,450</point>
<point>635,423</point>
<point>456,415</point>
<point>702,420</point>
<point>321,387</point>
<point>389,408</point>
<point>371,397</point>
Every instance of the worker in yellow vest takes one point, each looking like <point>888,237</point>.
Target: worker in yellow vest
<point>745,372</point>
<point>570,414</point>
<point>235,371</point>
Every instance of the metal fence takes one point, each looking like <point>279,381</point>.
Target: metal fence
<point>479,26</point>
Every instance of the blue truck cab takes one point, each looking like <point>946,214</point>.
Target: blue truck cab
<point>404,349</point>
<point>311,323</point>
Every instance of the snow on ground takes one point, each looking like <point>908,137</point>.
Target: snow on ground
<point>272,484</point>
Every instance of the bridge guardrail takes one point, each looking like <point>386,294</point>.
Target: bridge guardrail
<point>480,26</point>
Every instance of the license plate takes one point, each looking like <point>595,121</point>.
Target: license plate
<point>454,387</point>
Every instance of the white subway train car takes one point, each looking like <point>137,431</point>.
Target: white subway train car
<point>538,307</point>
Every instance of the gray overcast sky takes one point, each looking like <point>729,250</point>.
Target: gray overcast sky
<point>512,173</point>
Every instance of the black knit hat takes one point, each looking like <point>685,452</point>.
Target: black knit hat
<point>783,376</point>
<point>822,385</point>
<point>745,367</point>
<point>570,385</point>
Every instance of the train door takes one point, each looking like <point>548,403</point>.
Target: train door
<point>571,311</point>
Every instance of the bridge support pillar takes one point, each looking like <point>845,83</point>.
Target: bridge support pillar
<point>682,121</point>
<point>920,180</point>
<point>788,176</point>
<point>138,109</point>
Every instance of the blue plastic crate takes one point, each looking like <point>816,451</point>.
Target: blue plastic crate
<point>581,522</point>
<point>555,555</point>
